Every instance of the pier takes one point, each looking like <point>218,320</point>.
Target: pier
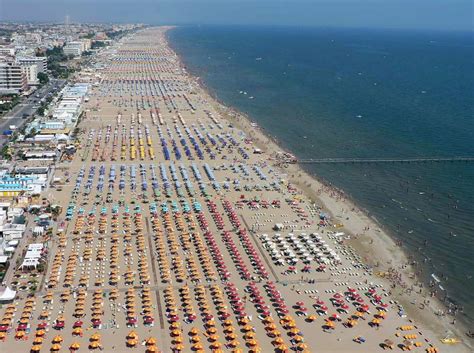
<point>385,160</point>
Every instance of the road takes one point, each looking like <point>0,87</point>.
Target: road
<point>27,107</point>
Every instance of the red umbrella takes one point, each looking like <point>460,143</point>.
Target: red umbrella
<point>78,324</point>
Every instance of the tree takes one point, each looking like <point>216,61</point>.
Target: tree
<point>41,110</point>
<point>43,78</point>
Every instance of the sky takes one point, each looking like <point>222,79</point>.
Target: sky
<point>404,14</point>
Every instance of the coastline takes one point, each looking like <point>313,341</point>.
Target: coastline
<point>367,236</point>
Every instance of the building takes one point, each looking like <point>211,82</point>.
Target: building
<point>12,79</point>
<point>52,125</point>
<point>40,155</point>
<point>7,51</point>
<point>13,186</point>
<point>31,72</point>
<point>41,62</point>
<point>73,48</point>
<point>69,108</point>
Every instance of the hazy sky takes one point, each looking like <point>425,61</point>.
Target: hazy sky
<point>432,14</point>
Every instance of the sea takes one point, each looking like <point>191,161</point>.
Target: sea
<point>364,93</point>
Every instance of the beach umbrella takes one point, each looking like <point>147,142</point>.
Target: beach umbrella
<point>36,348</point>
<point>178,347</point>
<point>151,341</point>
<point>74,346</point>
<point>95,337</point>
<point>94,345</point>
<point>302,346</point>
<point>55,347</point>
<point>57,339</point>
<point>388,343</point>
<point>132,342</point>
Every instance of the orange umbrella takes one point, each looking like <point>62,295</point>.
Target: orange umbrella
<point>132,342</point>
<point>56,347</point>
<point>57,339</point>
<point>74,346</point>
<point>151,341</point>
<point>178,347</point>
<point>95,337</point>
<point>94,345</point>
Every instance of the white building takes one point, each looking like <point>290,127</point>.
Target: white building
<point>31,72</point>
<point>12,79</point>
<point>7,51</point>
<point>41,62</point>
<point>73,48</point>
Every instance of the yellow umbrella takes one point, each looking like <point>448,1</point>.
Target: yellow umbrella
<point>36,348</point>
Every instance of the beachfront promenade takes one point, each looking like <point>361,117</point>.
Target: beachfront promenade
<point>178,238</point>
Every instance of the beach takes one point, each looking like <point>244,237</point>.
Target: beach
<point>183,231</point>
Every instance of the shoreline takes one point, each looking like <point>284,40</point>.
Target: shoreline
<point>367,235</point>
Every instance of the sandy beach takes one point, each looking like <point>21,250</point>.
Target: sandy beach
<point>183,231</point>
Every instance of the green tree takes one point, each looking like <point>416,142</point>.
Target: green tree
<point>43,78</point>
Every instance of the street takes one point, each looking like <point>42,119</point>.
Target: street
<point>28,107</point>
